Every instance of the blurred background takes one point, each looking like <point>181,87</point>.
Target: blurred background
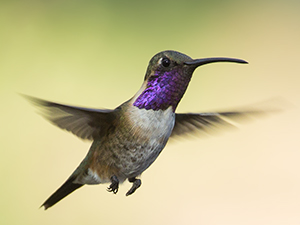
<point>95,53</point>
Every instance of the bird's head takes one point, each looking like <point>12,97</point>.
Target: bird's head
<point>167,77</point>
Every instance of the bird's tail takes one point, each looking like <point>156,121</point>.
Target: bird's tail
<point>67,188</point>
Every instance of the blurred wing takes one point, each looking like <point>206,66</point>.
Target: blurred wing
<point>213,122</point>
<point>209,122</point>
<point>83,122</point>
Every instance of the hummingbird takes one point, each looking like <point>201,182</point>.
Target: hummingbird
<point>129,138</point>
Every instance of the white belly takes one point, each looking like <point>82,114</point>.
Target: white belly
<point>151,134</point>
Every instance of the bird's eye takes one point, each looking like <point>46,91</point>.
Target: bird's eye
<point>165,62</point>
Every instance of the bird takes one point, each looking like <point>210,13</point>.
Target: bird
<point>128,139</point>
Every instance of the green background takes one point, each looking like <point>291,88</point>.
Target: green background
<point>95,53</point>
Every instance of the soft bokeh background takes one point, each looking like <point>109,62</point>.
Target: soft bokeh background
<point>95,53</point>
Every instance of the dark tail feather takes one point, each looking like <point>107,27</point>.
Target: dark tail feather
<point>67,188</point>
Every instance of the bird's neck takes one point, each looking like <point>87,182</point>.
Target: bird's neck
<point>162,91</point>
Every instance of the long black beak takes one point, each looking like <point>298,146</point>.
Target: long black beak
<point>200,62</point>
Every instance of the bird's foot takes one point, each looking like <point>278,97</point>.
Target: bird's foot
<point>114,186</point>
<point>136,184</point>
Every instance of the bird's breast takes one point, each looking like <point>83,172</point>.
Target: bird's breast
<point>148,134</point>
<point>150,123</point>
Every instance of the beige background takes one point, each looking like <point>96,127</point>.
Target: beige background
<point>95,53</point>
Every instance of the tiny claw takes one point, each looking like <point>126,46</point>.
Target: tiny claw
<point>136,184</point>
<point>114,186</point>
<point>112,189</point>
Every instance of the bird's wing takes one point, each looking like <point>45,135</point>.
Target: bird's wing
<point>83,122</point>
<point>209,122</point>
